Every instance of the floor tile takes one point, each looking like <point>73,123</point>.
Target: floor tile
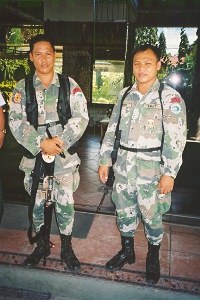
<point>185,265</point>
<point>186,243</point>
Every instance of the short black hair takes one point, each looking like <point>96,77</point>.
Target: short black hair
<point>41,38</point>
<point>145,47</point>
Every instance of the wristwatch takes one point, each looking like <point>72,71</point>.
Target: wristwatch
<point>3,130</point>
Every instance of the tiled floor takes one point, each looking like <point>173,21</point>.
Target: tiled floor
<point>180,249</point>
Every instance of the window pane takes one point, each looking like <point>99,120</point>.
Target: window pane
<point>108,77</point>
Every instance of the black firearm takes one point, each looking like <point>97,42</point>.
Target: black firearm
<point>46,183</point>
<point>48,189</point>
<point>111,176</point>
<point>107,187</point>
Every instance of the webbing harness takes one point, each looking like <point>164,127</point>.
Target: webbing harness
<point>63,108</point>
<point>146,149</point>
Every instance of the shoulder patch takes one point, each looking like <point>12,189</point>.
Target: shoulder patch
<point>175,108</point>
<point>17,98</point>
<point>175,99</point>
<point>77,92</point>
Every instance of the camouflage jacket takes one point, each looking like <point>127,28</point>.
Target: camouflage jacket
<point>2,101</point>
<point>141,124</point>
<point>47,99</point>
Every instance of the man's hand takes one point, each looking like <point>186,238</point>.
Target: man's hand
<point>52,146</point>
<point>166,184</point>
<point>103,173</point>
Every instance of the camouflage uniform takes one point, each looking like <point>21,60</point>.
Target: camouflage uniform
<point>66,169</point>
<point>2,101</point>
<point>135,191</point>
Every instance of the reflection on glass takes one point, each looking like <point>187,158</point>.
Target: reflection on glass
<point>108,79</point>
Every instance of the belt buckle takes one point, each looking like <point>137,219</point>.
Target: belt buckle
<point>50,124</point>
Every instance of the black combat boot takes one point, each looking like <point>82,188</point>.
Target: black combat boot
<point>125,255</point>
<point>34,258</point>
<point>67,254</point>
<point>152,264</point>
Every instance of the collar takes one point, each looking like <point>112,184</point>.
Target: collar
<point>38,82</point>
<point>154,87</point>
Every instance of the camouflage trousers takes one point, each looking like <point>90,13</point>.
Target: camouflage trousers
<point>65,186</point>
<point>139,199</point>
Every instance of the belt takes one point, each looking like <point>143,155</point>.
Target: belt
<point>139,150</point>
<point>50,124</point>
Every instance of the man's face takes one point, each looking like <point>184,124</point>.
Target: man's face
<point>145,67</point>
<point>43,57</point>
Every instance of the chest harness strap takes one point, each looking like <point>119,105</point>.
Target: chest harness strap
<point>140,150</point>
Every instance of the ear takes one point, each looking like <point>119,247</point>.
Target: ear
<point>158,65</point>
<point>31,56</point>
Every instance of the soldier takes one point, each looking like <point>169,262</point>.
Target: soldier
<point>46,85</point>
<point>153,136</point>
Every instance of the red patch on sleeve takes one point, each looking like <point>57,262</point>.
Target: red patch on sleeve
<point>175,99</point>
<point>76,90</point>
<point>17,98</point>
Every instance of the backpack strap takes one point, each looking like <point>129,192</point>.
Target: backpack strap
<point>161,88</point>
<point>63,108</point>
<point>123,98</point>
<point>31,102</point>
<point>117,131</point>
